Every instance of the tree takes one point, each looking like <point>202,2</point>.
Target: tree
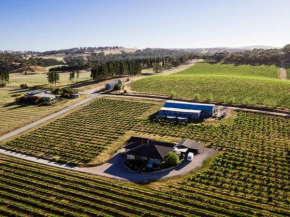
<point>72,76</point>
<point>4,78</point>
<point>172,159</point>
<point>53,77</point>
<point>157,68</point>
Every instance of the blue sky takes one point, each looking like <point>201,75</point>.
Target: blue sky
<point>54,24</point>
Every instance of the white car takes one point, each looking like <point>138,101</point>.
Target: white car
<point>190,156</point>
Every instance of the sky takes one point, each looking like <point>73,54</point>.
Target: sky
<point>41,25</point>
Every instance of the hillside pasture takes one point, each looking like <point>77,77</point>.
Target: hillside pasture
<point>220,83</point>
<point>41,79</point>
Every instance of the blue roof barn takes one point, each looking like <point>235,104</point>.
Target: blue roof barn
<point>188,110</point>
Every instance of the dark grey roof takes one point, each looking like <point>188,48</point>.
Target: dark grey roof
<point>136,141</point>
<point>190,144</point>
<point>153,149</point>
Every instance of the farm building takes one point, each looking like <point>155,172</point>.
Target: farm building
<point>110,85</point>
<point>186,109</point>
<point>186,145</point>
<point>175,113</point>
<point>148,150</point>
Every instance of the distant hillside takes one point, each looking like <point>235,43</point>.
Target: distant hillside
<point>265,47</point>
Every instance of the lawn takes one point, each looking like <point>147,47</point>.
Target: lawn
<point>221,83</point>
<point>14,116</point>
<point>250,176</point>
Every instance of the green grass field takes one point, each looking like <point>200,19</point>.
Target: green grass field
<point>41,79</point>
<point>14,116</point>
<point>244,84</point>
<point>250,176</point>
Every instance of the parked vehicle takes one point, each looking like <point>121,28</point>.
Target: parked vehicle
<point>190,156</point>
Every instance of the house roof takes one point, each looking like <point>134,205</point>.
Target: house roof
<point>189,144</point>
<point>133,142</point>
<point>179,110</point>
<point>153,149</point>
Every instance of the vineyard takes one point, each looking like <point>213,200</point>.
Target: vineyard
<point>250,176</point>
<point>82,135</point>
<point>239,85</point>
<point>264,71</point>
<point>29,189</point>
<point>256,158</point>
<point>13,116</point>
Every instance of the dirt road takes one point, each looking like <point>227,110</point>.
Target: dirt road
<point>282,71</point>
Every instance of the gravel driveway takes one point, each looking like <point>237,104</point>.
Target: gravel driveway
<point>115,168</point>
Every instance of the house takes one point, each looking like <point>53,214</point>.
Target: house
<point>35,93</point>
<point>148,150</point>
<point>186,145</point>
<point>187,109</point>
<point>110,85</point>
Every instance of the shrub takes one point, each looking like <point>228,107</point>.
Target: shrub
<point>172,159</point>
<point>118,86</point>
<point>58,91</point>
<point>34,99</point>
<point>23,86</point>
<point>173,94</point>
<point>2,84</point>
<point>22,99</point>
<point>197,96</point>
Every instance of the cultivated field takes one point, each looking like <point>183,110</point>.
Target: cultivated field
<point>14,116</point>
<point>82,135</point>
<point>243,84</point>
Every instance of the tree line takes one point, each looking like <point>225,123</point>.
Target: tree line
<point>255,56</point>
<point>111,69</point>
<point>131,67</point>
